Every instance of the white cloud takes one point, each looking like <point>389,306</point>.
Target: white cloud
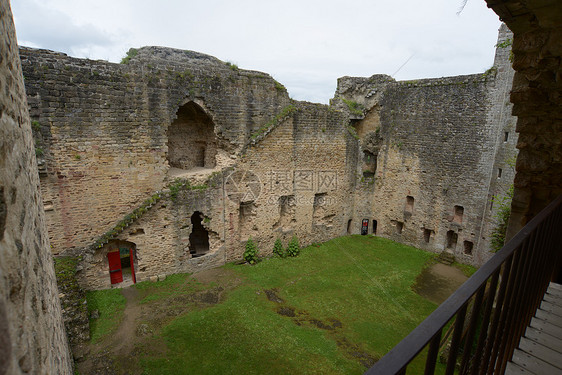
<point>305,44</point>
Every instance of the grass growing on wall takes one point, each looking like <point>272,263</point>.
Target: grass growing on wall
<point>359,286</point>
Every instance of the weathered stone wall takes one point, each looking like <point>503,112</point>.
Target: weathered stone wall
<point>275,170</point>
<point>431,151</point>
<point>303,168</point>
<point>418,157</point>
<point>106,129</point>
<point>102,128</point>
<point>161,238</point>
<point>536,97</point>
<point>32,336</point>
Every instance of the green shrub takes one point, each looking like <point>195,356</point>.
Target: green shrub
<point>278,249</point>
<point>502,219</point>
<point>251,253</point>
<point>132,52</point>
<point>294,248</point>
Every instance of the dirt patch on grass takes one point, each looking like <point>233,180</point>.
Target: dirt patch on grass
<point>355,352</point>
<point>286,311</point>
<point>137,334</point>
<point>273,296</point>
<point>438,281</point>
<point>331,325</point>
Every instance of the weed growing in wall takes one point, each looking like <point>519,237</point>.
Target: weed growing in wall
<point>251,253</point>
<point>232,66</point>
<point>354,107</point>
<point>285,112</point>
<point>294,247</point>
<point>127,220</point>
<point>132,52</point>
<point>278,249</point>
<point>506,43</point>
<point>280,87</point>
<point>180,184</point>
<point>502,218</point>
<point>490,72</point>
<point>351,130</point>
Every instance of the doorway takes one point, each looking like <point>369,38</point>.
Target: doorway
<point>199,237</point>
<point>121,261</point>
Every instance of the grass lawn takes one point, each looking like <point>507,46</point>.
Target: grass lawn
<point>110,305</point>
<point>334,309</point>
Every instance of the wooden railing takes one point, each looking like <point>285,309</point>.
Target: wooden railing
<point>500,298</point>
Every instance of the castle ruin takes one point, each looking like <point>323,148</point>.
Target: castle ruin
<point>171,162</point>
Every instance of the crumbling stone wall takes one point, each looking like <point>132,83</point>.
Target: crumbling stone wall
<point>535,95</point>
<point>303,169</point>
<point>418,157</point>
<point>32,336</point>
<point>243,120</point>
<point>102,128</point>
<point>433,153</point>
<point>161,237</point>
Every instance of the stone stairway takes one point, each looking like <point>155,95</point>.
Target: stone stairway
<point>446,258</point>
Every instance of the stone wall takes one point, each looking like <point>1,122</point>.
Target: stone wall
<point>417,157</point>
<point>536,93</point>
<point>303,167</point>
<point>431,154</point>
<point>101,128</point>
<point>32,336</point>
<point>275,190</point>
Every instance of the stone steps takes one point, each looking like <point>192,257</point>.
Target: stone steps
<point>446,258</point>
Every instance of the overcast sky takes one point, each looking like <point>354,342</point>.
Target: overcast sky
<point>304,44</point>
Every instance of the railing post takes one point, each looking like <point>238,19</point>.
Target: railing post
<point>432,353</point>
<point>475,315</point>
<point>518,275</point>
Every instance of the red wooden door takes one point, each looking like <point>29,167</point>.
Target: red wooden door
<point>115,267</point>
<point>131,256</point>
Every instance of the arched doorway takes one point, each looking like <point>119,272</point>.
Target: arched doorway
<point>121,260</point>
<point>191,139</point>
<point>199,237</point>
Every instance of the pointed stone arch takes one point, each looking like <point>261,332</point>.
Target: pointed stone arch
<point>192,142</point>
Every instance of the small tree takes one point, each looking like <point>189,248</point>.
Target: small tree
<point>278,249</point>
<point>251,253</point>
<point>294,248</point>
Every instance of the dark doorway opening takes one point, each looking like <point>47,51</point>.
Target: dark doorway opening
<point>199,237</point>
<point>452,238</point>
<point>191,139</point>
<point>349,226</point>
<point>374,227</point>
<point>427,235</point>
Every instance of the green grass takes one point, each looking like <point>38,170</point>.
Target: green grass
<point>173,285</point>
<point>467,269</point>
<point>362,281</point>
<point>110,303</point>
